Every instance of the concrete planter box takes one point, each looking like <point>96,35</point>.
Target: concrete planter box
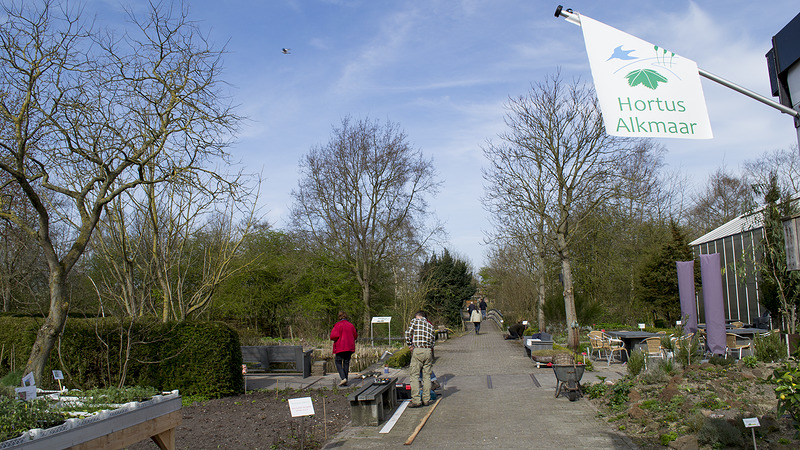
<point>543,343</point>
<point>156,418</point>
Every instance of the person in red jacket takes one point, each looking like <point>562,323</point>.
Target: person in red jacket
<point>344,337</point>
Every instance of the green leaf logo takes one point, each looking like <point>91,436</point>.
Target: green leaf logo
<point>646,77</point>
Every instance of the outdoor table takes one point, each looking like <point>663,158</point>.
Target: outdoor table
<point>631,339</point>
<point>746,332</point>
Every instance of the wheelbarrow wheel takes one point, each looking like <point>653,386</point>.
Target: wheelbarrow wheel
<point>572,390</point>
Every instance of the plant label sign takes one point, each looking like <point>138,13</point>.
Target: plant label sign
<point>28,380</point>
<point>26,392</point>
<point>644,90</point>
<point>751,422</point>
<point>301,407</point>
<point>58,375</point>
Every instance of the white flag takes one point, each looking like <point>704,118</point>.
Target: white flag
<point>644,90</point>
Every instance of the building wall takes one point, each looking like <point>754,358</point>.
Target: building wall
<point>738,254</point>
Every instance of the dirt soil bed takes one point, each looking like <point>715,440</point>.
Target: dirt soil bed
<point>261,420</point>
<point>701,406</point>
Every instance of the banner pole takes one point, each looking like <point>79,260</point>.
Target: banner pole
<point>748,92</point>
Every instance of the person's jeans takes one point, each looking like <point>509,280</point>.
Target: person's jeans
<point>477,327</point>
<point>342,362</point>
<point>421,359</point>
<point>483,314</point>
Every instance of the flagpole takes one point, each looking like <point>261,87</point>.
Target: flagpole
<point>575,19</point>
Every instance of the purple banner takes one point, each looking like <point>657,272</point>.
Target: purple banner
<point>687,295</point>
<point>711,273</point>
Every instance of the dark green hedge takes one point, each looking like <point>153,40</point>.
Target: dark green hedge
<point>16,338</point>
<point>197,358</point>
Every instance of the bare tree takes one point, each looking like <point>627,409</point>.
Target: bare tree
<point>90,111</point>
<point>20,257</point>
<point>725,197</point>
<point>363,198</point>
<point>564,167</point>
<point>783,163</point>
<point>512,283</point>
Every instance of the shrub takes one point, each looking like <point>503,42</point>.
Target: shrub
<point>19,417</point>
<point>769,348</point>
<point>688,351</point>
<point>595,390</point>
<point>635,363</point>
<point>531,330</point>
<point>201,358</point>
<point>786,377</point>
<point>619,393</point>
<point>16,338</point>
<point>656,373</point>
<point>666,438</point>
<point>750,361</point>
<point>722,361</point>
<point>720,432</point>
<point>401,358</point>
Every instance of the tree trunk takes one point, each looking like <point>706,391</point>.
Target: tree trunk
<point>573,339</point>
<point>52,327</point>
<point>541,297</point>
<point>365,299</point>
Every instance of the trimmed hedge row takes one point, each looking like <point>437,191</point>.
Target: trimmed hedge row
<point>198,358</point>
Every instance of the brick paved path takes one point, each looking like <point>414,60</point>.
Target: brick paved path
<point>494,397</point>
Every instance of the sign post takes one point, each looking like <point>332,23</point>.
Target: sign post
<point>752,423</point>
<point>58,376</point>
<point>301,407</point>
<point>386,320</point>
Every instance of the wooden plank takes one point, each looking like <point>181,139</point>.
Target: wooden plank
<point>131,435</point>
<point>165,440</point>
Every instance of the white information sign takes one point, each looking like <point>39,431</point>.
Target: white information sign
<point>644,90</point>
<point>28,380</point>
<point>301,407</point>
<point>58,375</point>
<point>26,392</point>
<point>381,319</point>
<point>751,422</point>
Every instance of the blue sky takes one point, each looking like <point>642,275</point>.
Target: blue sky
<point>443,71</point>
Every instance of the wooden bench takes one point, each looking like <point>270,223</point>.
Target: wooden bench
<point>264,355</point>
<point>442,333</point>
<point>373,402</point>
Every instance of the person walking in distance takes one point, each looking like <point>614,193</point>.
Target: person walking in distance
<point>344,337</point>
<point>474,316</point>
<point>420,338</point>
<point>482,305</point>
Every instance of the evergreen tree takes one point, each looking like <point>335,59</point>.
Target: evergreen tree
<point>659,278</point>
<point>780,288</point>
<point>450,283</point>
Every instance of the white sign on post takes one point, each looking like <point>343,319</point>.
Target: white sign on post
<point>384,319</point>
<point>58,375</point>
<point>301,407</point>
<point>28,380</point>
<point>28,389</point>
<point>751,422</point>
